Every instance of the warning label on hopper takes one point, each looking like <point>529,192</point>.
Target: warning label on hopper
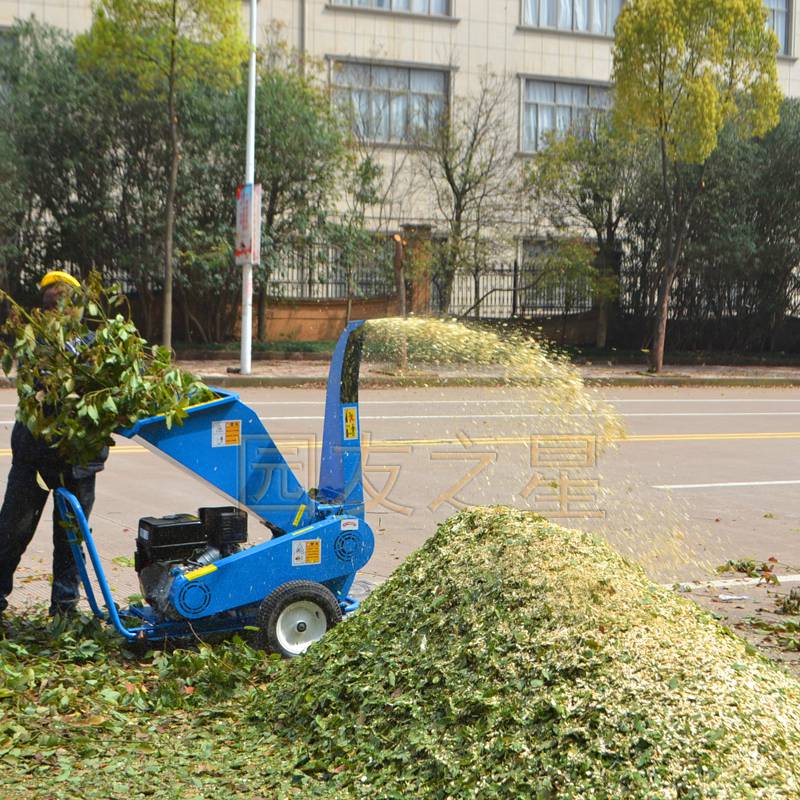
<point>226,433</point>
<point>350,423</point>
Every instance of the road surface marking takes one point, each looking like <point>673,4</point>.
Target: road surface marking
<point>472,417</point>
<point>500,440</point>
<point>725,485</point>
<point>515,401</point>
<point>658,414</point>
<point>707,437</point>
<point>702,400</point>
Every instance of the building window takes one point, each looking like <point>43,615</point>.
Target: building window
<point>778,21</point>
<point>551,108</point>
<point>434,8</point>
<point>585,16</point>
<point>390,104</point>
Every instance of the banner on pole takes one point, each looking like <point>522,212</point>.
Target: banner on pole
<point>248,224</point>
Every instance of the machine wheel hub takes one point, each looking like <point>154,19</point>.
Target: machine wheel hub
<point>299,625</point>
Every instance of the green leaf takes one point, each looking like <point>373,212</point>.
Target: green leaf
<point>7,362</point>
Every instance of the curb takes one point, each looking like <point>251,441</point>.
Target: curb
<point>388,381</point>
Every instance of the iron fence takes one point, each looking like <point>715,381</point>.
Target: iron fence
<point>321,271</point>
<point>505,291</point>
<point>704,294</point>
<point>521,289</point>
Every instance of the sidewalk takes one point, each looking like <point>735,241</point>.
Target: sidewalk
<point>296,372</point>
<point>300,373</point>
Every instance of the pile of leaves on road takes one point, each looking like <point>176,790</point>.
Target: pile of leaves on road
<point>83,371</point>
<point>514,658</point>
<point>508,657</point>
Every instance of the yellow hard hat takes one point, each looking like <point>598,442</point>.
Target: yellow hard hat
<point>59,276</point>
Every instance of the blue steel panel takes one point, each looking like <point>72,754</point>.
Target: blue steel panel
<point>251,470</point>
<point>340,480</point>
<point>345,546</point>
<point>248,467</point>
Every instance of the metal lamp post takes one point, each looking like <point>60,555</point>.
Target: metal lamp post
<point>254,222</point>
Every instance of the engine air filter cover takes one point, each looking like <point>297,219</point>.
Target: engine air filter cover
<point>224,525</point>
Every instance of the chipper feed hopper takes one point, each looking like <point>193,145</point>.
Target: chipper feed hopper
<point>196,572</point>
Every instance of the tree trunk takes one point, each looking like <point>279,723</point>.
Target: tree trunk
<point>200,327</point>
<point>146,305</point>
<point>261,330</point>
<point>601,332</point>
<point>660,321</point>
<point>400,286</point>
<point>187,323</point>
<point>452,263</point>
<point>447,292</point>
<point>608,264</point>
<point>349,289</point>
<point>400,274</point>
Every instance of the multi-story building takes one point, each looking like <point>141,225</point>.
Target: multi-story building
<point>397,63</point>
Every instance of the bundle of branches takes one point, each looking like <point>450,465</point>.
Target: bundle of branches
<point>83,371</point>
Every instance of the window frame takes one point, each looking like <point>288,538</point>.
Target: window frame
<point>787,46</point>
<point>556,81</point>
<point>370,8</point>
<point>405,142</point>
<point>526,25</point>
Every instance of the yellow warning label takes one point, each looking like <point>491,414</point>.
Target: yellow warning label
<point>298,516</point>
<point>350,423</point>
<point>226,433</point>
<point>233,431</point>
<point>313,551</point>
<point>306,551</point>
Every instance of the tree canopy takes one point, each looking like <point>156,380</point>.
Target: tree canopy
<point>683,70</point>
<point>168,43</point>
<point>167,46</point>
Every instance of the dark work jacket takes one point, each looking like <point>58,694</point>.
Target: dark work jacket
<point>55,471</point>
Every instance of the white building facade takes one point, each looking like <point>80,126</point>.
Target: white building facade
<point>398,63</point>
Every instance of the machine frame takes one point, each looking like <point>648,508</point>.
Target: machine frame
<point>319,536</point>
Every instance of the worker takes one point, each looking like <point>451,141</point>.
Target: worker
<point>36,469</point>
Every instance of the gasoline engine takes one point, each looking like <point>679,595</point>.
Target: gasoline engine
<point>167,547</point>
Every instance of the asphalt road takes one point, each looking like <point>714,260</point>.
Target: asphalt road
<point>705,475</point>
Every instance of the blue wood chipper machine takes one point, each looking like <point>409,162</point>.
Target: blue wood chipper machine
<point>196,573</point>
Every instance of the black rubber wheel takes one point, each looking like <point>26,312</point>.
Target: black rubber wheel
<point>296,615</point>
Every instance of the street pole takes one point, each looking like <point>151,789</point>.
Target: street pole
<point>245,362</point>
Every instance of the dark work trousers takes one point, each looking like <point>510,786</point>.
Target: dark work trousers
<point>23,505</point>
